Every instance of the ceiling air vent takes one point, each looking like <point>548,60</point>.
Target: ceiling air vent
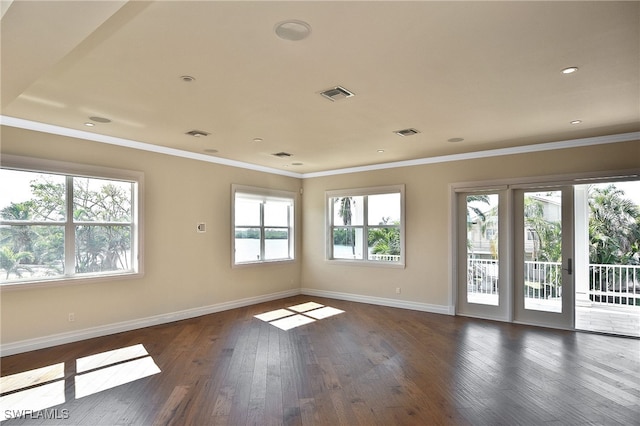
<point>337,93</point>
<point>197,133</point>
<point>407,132</point>
<point>282,154</point>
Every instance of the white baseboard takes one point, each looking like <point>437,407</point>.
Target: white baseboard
<point>104,330</point>
<point>394,303</point>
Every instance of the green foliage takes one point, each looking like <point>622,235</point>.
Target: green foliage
<point>547,234</point>
<point>614,227</point>
<point>385,240</point>
<point>98,246</point>
<point>10,261</point>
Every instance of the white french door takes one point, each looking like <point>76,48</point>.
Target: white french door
<point>514,251</point>
<point>483,262</point>
<point>543,256</point>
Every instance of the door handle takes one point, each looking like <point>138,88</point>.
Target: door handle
<point>569,267</point>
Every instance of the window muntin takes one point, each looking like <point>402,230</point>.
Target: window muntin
<point>263,225</point>
<point>377,240</point>
<point>56,226</point>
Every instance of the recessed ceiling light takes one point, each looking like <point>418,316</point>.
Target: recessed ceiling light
<point>569,70</point>
<point>575,122</point>
<point>292,30</point>
<point>455,140</point>
<point>89,124</point>
<point>257,139</point>
<point>296,164</point>
<point>380,151</point>
<point>187,78</point>
<point>100,119</point>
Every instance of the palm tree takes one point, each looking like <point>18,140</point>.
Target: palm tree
<point>385,240</point>
<point>10,261</point>
<point>614,233</point>
<point>19,237</point>
<point>614,227</point>
<point>345,213</point>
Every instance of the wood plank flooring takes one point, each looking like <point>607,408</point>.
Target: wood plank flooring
<point>369,365</point>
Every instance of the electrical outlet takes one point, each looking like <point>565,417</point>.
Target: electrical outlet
<point>72,317</point>
<point>398,290</point>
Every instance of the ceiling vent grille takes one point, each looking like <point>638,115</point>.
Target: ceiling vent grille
<point>337,93</point>
<point>407,132</point>
<point>197,133</point>
<point>282,154</point>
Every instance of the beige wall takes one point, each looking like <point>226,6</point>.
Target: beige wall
<point>183,269</point>
<point>186,270</point>
<point>426,278</point>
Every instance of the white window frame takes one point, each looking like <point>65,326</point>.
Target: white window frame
<point>365,192</point>
<point>263,194</point>
<point>67,169</point>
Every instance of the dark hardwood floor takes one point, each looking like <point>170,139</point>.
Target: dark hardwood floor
<point>369,365</point>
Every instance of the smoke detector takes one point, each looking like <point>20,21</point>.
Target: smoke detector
<point>337,93</point>
<point>282,154</point>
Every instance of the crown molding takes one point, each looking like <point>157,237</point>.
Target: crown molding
<point>128,143</point>
<point>525,149</point>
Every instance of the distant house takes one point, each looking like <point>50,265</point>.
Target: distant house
<point>482,233</point>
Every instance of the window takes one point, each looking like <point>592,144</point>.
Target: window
<point>366,225</point>
<point>63,221</point>
<point>263,224</point>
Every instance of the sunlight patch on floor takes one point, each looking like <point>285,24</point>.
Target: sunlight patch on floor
<point>24,394</point>
<point>286,319</point>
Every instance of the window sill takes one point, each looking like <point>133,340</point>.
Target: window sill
<point>263,262</point>
<point>67,281</point>
<point>366,263</point>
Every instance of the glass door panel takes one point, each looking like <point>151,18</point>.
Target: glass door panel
<point>480,272</point>
<point>543,265</point>
<point>542,252</point>
<point>483,281</point>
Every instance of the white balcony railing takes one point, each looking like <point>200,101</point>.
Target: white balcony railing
<point>608,284</point>
<point>385,257</point>
<point>614,284</point>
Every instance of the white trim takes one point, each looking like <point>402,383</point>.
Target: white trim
<point>42,165</point>
<point>105,330</point>
<point>364,192</point>
<point>263,195</point>
<point>525,149</point>
<point>63,131</point>
<point>550,180</point>
<point>381,301</point>
<point>128,143</point>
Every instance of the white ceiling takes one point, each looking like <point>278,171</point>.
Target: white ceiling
<point>488,72</point>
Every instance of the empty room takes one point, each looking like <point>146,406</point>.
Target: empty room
<point>319,213</point>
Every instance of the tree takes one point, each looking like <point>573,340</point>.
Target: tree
<point>10,261</point>
<point>547,234</point>
<point>385,240</point>
<point>614,227</point>
<point>344,212</point>
<point>475,216</point>
<point>614,237</point>
<point>101,215</point>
